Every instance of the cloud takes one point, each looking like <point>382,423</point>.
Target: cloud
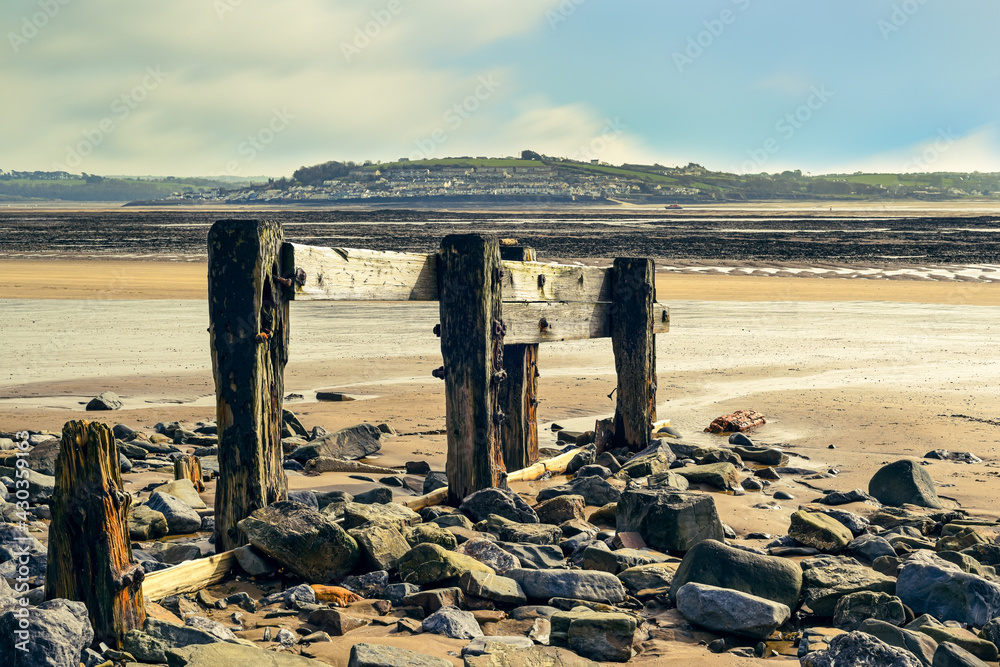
<point>978,150</point>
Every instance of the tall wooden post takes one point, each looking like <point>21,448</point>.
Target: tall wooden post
<point>90,556</point>
<point>634,344</point>
<point>248,294</point>
<point>472,330</point>
<point>188,466</point>
<point>518,396</point>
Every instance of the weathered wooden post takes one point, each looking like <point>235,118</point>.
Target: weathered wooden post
<point>90,556</point>
<point>633,295</point>
<point>188,466</point>
<point>248,293</point>
<point>518,397</point>
<point>472,331</point>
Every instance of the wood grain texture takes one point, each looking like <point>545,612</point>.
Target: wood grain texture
<point>472,336</point>
<point>188,577</point>
<point>90,556</point>
<point>188,466</point>
<point>518,398</point>
<point>246,300</point>
<point>634,344</point>
<point>547,321</point>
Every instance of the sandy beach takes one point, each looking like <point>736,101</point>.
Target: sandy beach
<point>877,369</point>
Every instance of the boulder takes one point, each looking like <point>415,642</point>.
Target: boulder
<point>452,622</point>
<point>306,542</point>
<point>337,622</point>
<point>819,531</point>
<point>916,643</point>
<point>648,464</point>
<point>54,634</point>
<point>952,655</point>
<point>376,655</point>
<point>499,654</point>
<point>855,608</point>
<point>716,564</point>
<point>536,556</point>
<point>531,533</point>
<point>668,480</point>
<point>181,518</point>
<point>858,649</point>
<point>584,457</point>
<point>967,641</point>
<point>904,482</point>
<point>574,584</point>
<point>253,562</point>
<point>942,590</point>
<point>40,486</point>
<point>358,514</point>
<point>381,545</point>
<point>730,612</point>
<point>651,577</point>
<point>351,443</point>
<point>42,457</point>
<point>765,455</point>
<point>235,655</point>
<point>826,580</point>
<point>869,547</point>
<point>606,637</point>
<point>492,587</point>
<point>502,502</point>
<point>377,496</point>
<point>595,491</point>
<point>183,490</point>
<point>429,533</point>
<point>669,521</point>
<point>489,554</point>
<point>427,564</point>
<point>561,508</point>
<point>605,560</point>
<point>107,400</point>
<point>845,497</point>
<point>722,476</point>
<point>434,481</point>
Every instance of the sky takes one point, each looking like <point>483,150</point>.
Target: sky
<point>262,87</point>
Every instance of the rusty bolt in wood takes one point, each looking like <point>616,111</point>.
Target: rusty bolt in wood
<point>287,282</point>
<point>541,280</point>
<point>438,373</point>
<point>300,277</point>
<point>437,330</point>
<point>543,324</point>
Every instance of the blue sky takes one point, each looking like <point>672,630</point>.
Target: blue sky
<point>252,87</point>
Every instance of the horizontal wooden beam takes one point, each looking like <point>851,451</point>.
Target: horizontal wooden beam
<point>349,274</point>
<point>188,577</point>
<point>545,322</point>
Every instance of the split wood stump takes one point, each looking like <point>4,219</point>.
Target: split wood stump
<point>248,293</point>
<point>90,556</point>
<point>188,467</point>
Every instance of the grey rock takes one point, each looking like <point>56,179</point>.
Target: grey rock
<point>235,655</point>
<point>357,514</point>
<point>181,518</point>
<point>307,498</point>
<point>15,542</point>
<point>917,643</point>
<point>856,524</point>
<point>452,622</point>
<point>584,457</point>
<point>574,584</point>
<point>535,556</point>
<point>489,554</point>
<point>396,593</point>
<point>598,636</point>
<point>731,612</point>
<point>40,486</point>
<point>381,545</point>
<point>826,580</point>
<point>350,443</point>
<point>942,590</point>
<point>502,502</point>
<point>855,608</point>
<point>434,481</point>
<point>845,497</point>
<point>478,646</point>
<point>904,482</point>
<point>595,491</point>
<point>655,576</point>
<point>669,521</point>
<point>594,471</point>
<point>503,590</point>
<point>57,632</point>
<point>253,562</point>
<point>302,593</point>
<point>107,400</point>
<point>869,547</point>
<point>952,655</point>
<point>859,649</point>
<point>376,655</point>
<point>377,496</point>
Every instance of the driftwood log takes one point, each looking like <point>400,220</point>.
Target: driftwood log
<point>90,556</point>
<point>188,467</point>
<point>188,577</point>
<point>248,292</point>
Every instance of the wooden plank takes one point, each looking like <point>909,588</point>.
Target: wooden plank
<point>90,555</point>
<point>634,343</point>
<point>546,322</point>
<point>518,400</point>
<point>472,347</point>
<point>350,274</point>
<point>188,577</point>
<point>435,497</point>
<point>248,314</point>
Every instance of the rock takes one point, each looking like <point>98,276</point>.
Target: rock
<point>535,556</point>
<point>598,636</point>
<point>307,498</point>
<point>381,545</point>
<point>716,564</point>
<point>730,612</point>
<point>766,455</point>
<point>253,562</point>
<point>595,491</point>
<point>502,655</point>
<point>531,533</point>
<point>904,482</point>
<point>854,523</point>
<point>356,514</point>
<point>427,564</point>
<point>668,480</point>
<point>584,457</point>
<point>594,471</point>
<point>183,490</point>
<point>306,542</point>
<point>826,580</point>
<point>40,486</point>
<point>434,599</point>
<point>958,457</point>
<point>235,655</point>
<point>869,547</point>
<point>942,590</point>
<point>669,521</point>
<point>648,464</point>
<point>213,628</point>
<point>456,519</point>
<point>434,481</point>
<point>376,655</point>
<point>502,502</point>
<point>42,457</point>
<point>855,608</point>
<point>916,643</point>
<point>351,443</point>
<point>722,476</point>
<point>843,498</point>
<point>454,623</point>
<point>858,649</point>
<point>396,593</point>
<point>107,400</point>
<point>429,533</point>
<point>616,561</point>
<point>489,554</point>
<point>145,524</point>
<point>942,634</point>
<point>986,554</point>
<point>574,584</point>
<point>492,587</point>
<point>336,622</point>
<point>181,518</point>
<point>54,634</point>
<point>654,576</point>
<point>377,496</point>
<point>172,553</point>
<point>819,531</point>
<point>951,655</point>
<point>478,646</point>
<point>561,508</point>
<point>291,427</point>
